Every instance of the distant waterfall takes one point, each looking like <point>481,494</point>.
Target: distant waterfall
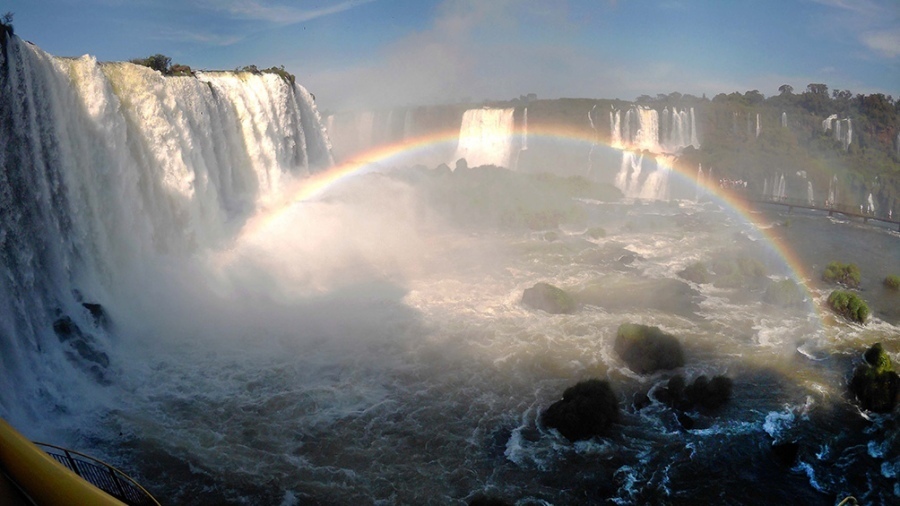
<point>109,170</point>
<point>525,130</point>
<point>832,191</point>
<point>409,124</point>
<point>842,129</point>
<point>647,129</point>
<point>784,120</point>
<point>809,193</point>
<point>758,128</point>
<point>781,189</point>
<point>486,137</point>
<point>870,205</point>
<point>700,182</point>
<point>615,128</point>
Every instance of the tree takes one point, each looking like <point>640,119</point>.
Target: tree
<point>786,89</point>
<point>159,62</point>
<point>817,89</point>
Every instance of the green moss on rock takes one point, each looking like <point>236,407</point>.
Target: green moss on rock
<point>849,305</point>
<point>875,384</point>
<point>892,282</point>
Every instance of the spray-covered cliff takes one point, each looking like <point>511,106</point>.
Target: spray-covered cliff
<point>106,170</point>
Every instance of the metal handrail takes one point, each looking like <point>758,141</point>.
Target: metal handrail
<point>101,475</point>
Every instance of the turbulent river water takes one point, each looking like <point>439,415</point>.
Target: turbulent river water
<point>386,358</point>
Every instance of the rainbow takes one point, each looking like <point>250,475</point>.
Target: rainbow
<point>405,152</point>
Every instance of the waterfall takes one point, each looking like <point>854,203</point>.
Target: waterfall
<point>108,171</point>
<point>695,141</point>
<point>848,136</point>
<point>615,128</point>
<point>832,189</point>
<point>870,205</point>
<point>826,123</point>
<point>656,187</point>
<point>525,130</point>
<point>590,115</point>
<point>700,181</point>
<point>757,125</point>
<point>766,187</point>
<point>783,120</point>
<point>408,124</point>
<point>486,137</point>
<point>780,192</point>
<point>809,193</point>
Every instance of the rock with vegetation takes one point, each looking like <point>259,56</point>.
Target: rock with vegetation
<point>849,305</point>
<point>784,293</point>
<point>875,384</point>
<point>892,282</point>
<point>741,272</point>
<point>647,349</point>
<point>696,273</point>
<point>845,274</point>
<point>549,298</point>
<point>587,409</point>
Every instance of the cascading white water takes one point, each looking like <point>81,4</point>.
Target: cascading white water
<point>832,190</point>
<point>784,120</point>
<point>780,189</point>
<point>870,205</point>
<point>615,128</point>
<point>486,137</point>
<point>842,129</point>
<point>656,186</point>
<point>809,193</point>
<point>525,130</point>
<point>108,170</point>
<point>758,127</point>
<point>636,182</point>
<point>646,129</point>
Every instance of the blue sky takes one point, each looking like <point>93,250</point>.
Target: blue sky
<point>369,53</point>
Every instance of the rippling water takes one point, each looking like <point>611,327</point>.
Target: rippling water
<point>413,375</point>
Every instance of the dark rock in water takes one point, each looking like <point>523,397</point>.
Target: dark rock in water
<point>101,319</point>
<point>686,422</point>
<point>647,349</point>
<point>742,272</point>
<point>701,393</point>
<point>484,500</point>
<point>708,394</point>
<point>66,329</point>
<point>627,259</point>
<point>549,298</point>
<point>673,393</point>
<point>696,273</point>
<point>875,384</point>
<point>640,401</point>
<point>587,409</point>
<point>551,236</point>
<point>83,350</point>
<point>786,453</point>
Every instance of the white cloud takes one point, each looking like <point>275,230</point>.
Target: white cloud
<point>885,42</point>
<point>279,13</point>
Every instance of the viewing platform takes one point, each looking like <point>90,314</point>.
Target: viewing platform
<point>830,208</point>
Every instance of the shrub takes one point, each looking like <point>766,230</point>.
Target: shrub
<point>845,274</point>
<point>892,282</point>
<point>849,305</point>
